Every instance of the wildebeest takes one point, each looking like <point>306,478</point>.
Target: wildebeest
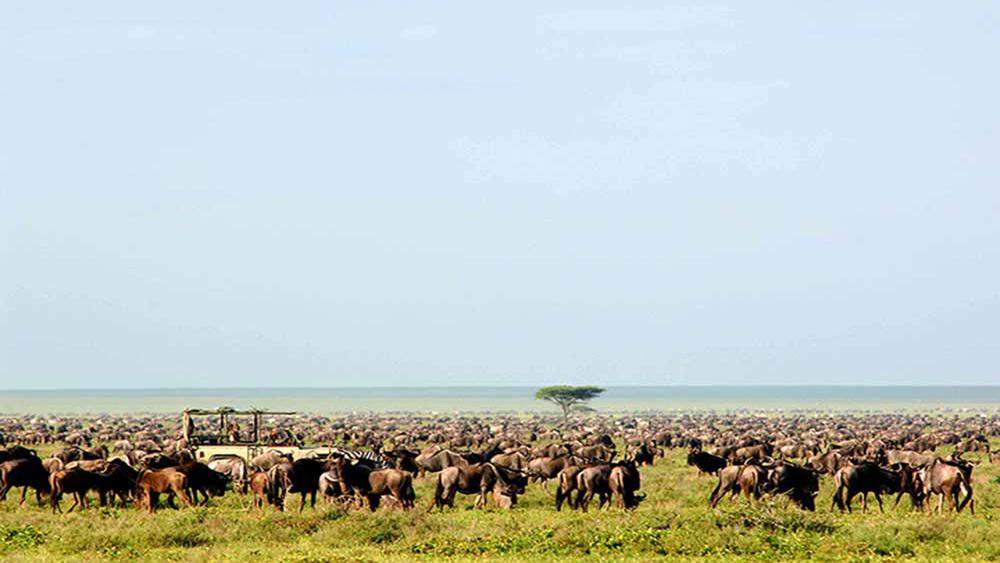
<point>705,462</point>
<point>592,481</point>
<point>150,484</point>
<point>948,479</point>
<point>235,468</point>
<point>567,484</point>
<point>863,478</point>
<point>829,462</point>
<point>260,488</point>
<point>202,479</point>
<point>758,452</point>
<point>544,468</point>
<point>623,484</point>
<point>750,479</point>
<point>77,482</point>
<point>436,459</point>
<point>301,476</point>
<point>370,484</point>
<point>478,479</point>
<point>269,459</point>
<point>24,472</point>
<point>644,454</point>
<point>801,484</point>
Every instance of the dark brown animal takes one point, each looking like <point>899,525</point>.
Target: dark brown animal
<point>371,484</point>
<point>478,479</point>
<point>25,473</point>
<point>707,464</point>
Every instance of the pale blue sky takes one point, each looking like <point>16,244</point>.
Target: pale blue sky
<point>326,193</point>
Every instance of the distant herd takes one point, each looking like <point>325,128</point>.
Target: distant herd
<point>372,460</point>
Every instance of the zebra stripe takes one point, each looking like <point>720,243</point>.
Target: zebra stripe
<point>377,459</point>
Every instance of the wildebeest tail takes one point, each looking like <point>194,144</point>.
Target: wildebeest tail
<point>438,493</point>
<point>408,495</point>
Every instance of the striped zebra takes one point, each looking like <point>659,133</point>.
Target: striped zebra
<point>375,459</point>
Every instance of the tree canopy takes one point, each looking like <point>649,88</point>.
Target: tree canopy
<point>569,397</point>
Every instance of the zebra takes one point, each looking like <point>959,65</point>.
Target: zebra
<point>375,459</point>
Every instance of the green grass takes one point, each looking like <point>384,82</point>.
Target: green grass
<point>673,522</point>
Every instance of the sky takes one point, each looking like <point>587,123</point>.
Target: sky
<point>457,193</point>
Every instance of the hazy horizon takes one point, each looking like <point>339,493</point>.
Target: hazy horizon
<point>326,195</point>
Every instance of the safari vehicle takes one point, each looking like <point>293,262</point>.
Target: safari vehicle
<point>218,433</point>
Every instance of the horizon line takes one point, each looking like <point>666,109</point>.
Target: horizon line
<point>475,386</point>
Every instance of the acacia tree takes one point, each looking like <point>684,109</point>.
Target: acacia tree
<point>569,397</point>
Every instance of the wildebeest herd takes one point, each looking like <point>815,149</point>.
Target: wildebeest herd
<point>370,461</point>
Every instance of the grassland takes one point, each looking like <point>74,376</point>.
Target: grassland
<point>674,522</point>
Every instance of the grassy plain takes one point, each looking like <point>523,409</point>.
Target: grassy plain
<point>674,522</point>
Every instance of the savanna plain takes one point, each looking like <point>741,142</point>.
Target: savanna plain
<point>674,521</point>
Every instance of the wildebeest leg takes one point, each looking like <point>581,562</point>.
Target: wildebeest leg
<point>153,498</point>
<point>714,498</point>
<point>850,496</point>
<point>76,502</point>
<point>24,494</point>
<point>864,502</point>
<point>605,499</point>
<point>940,506</point>
<point>312,499</point>
<point>184,498</point>
<point>878,497</point>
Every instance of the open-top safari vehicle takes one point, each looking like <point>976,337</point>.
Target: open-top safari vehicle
<point>227,431</point>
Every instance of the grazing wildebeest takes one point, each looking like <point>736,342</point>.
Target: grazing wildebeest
<point>705,462</point>
<point>623,484</point>
<point>370,484</point>
<point>235,468</point>
<point>478,479</point>
<point>949,479</point>
<point>150,484</point>
<point>644,454</point>
<point>119,482</point>
<point>863,478</point>
<point>204,480</point>
<point>801,484</point>
<point>437,459</point>
<point>24,472</point>
<point>77,482</point>
<point>301,476</point>
<point>750,479</point>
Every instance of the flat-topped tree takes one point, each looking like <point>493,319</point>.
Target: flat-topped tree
<point>569,397</point>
